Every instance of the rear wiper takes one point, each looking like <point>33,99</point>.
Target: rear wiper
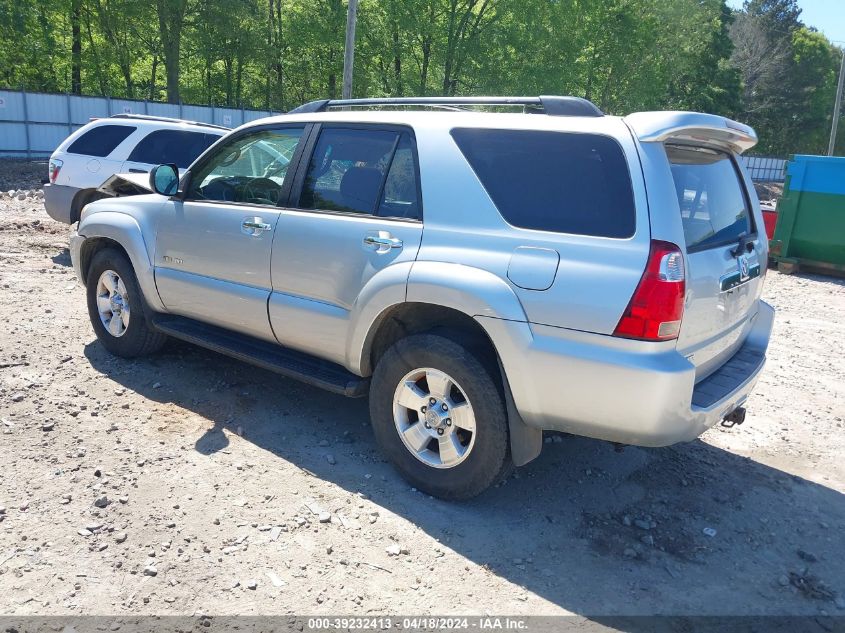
<point>745,244</point>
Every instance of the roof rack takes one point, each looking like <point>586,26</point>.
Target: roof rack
<point>551,105</point>
<point>149,117</point>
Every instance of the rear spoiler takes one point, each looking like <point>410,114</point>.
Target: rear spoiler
<point>693,127</point>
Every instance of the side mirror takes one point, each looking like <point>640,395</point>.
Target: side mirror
<point>164,179</point>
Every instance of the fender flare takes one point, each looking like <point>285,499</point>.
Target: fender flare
<point>125,230</point>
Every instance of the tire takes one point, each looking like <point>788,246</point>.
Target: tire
<point>486,456</point>
<point>133,336</point>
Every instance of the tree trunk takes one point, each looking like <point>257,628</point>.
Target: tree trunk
<point>76,47</point>
<point>171,16</point>
<point>153,78</point>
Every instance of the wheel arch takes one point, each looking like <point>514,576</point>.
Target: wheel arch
<point>119,230</point>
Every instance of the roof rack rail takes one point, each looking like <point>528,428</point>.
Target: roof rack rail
<point>551,105</point>
<point>167,119</point>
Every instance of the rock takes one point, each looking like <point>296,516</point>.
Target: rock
<point>643,524</point>
<point>629,552</point>
<point>839,601</point>
<point>48,426</point>
<point>102,501</point>
<point>329,549</point>
<point>150,570</point>
<point>252,584</point>
<point>648,539</point>
<point>121,537</point>
<point>325,517</point>
<point>18,397</point>
<point>807,556</point>
<point>323,443</point>
<point>277,582</point>
<point>275,532</point>
<point>708,531</point>
<point>84,532</point>
<point>330,459</point>
<point>93,527</point>
<point>156,385</point>
<point>123,499</point>
<point>393,550</point>
<point>626,521</point>
<point>783,580</point>
<point>2,509</point>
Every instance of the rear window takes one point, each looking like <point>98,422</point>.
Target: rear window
<point>101,140</point>
<point>172,146</point>
<point>714,209</point>
<point>553,181</point>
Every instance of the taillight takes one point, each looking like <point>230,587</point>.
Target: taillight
<point>655,311</point>
<point>54,169</point>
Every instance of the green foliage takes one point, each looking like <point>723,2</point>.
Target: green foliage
<point>760,64</point>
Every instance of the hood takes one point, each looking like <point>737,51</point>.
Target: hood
<point>120,185</point>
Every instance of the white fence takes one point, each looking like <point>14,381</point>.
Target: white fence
<point>33,124</point>
<point>765,168</point>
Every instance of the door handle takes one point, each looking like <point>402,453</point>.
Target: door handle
<point>254,226</point>
<point>383,241</point>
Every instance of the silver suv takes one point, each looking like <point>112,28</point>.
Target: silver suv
<point>482,275</point>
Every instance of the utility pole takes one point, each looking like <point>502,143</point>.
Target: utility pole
<point>836,106</point>
<point>349,51</point>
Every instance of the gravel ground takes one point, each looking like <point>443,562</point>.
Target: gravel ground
<point>189,482</point>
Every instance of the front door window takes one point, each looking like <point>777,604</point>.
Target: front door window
<point>250,169</point>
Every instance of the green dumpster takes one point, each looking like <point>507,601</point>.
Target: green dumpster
<point>810,230</point>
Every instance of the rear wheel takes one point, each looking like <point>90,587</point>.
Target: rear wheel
<point>116,309</point>
<point>439,417</point>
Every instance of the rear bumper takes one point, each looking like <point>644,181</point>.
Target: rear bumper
<point>58,201</point>
<point>619,390</point>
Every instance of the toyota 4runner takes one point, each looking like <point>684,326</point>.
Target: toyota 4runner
<point>481,275</point>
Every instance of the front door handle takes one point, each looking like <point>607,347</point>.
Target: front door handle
<point>254,226</point>
<point>383,242</point>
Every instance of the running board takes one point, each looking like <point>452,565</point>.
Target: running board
<point>264,354</point>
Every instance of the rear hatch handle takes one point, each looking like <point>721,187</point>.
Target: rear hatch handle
<point>745,245</point>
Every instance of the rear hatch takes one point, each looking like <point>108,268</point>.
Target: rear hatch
<point>723,247</point>
<point>692,168</point>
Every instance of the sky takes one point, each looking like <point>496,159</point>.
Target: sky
<point>827,16</point>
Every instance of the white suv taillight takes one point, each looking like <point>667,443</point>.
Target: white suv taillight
<point>657,307</point>
<point>54,168</point>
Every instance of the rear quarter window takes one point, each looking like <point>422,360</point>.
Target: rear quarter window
<point>180,147</point>
<point>553,181</point>
<point>101,140</point>
<point>714,207</point>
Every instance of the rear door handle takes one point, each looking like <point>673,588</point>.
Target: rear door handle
<point>383,242</point>
<point>254,226</point>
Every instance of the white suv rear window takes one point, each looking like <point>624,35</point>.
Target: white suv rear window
<point>714,208</point>
<point>101,140</point>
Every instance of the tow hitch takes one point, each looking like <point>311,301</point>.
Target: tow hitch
<point>737,416</point>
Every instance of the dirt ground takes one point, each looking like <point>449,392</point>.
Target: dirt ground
<point>188,482</point>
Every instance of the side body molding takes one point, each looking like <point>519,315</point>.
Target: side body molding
<point>125,230</point>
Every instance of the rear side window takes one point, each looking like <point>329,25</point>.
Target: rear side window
<point>171,146</point>
<point>101,140</point>
<point>553,181</point>
<point>364,171</point>
<point>714,208</point>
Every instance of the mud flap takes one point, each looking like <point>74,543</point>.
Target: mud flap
<point>526,441</point>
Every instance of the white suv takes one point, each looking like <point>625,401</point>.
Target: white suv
<point>120,143</point>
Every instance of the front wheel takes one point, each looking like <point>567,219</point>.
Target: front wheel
<point>439,416</point>
<point>116,309</point>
